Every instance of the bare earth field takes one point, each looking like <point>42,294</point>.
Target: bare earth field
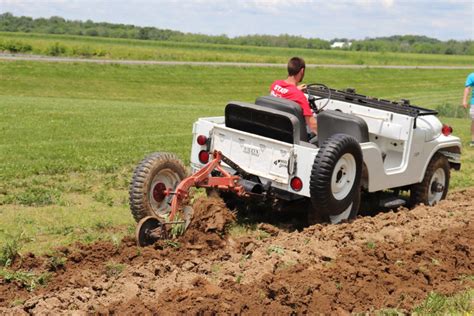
<point>391,260</point>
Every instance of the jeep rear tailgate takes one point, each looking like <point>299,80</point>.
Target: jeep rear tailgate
<point>255,154</point>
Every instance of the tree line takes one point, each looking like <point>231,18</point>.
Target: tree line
<point>398,43</point>
<point>414,44</point>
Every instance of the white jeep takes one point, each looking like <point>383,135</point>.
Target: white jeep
<point>364,144</point>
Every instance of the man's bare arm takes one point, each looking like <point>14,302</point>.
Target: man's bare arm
<point>301,87</point>
<point>311,123</point>
<point>466,94</point>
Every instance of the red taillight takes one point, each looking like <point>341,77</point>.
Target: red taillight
<point>296,184</point>
<point>201,140</point>
<point>204,156</point>
<point>446,130</point>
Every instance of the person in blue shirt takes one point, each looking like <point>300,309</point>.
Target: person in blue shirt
<point>467,89</point>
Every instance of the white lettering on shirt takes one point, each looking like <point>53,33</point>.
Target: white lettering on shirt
<point>280,89</point>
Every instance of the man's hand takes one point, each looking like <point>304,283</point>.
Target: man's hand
<point>312,124</point>
<point>301,87</point>
<point>464,104</point>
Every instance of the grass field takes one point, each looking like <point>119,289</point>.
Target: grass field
<point>72,133</point>
<point>83,46</point>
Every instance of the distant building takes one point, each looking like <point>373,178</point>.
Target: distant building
<point>341,45</point>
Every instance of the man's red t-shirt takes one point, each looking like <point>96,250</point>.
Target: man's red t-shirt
<point>282,89</point>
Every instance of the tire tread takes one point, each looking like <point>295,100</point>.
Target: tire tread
<point>138,190</point>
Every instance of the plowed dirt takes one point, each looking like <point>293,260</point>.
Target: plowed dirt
<point>391,260</point>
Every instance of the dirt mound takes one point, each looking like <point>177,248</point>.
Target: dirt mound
<point>393,259</point>
<point>207,229</point>
<point>211,215</point>
<point>81,263</point>
<point>382,276</point>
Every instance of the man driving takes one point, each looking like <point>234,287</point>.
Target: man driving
<point>289,89</point>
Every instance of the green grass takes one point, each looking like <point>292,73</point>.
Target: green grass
<point>52,226</point>
<point>95,47</point>
<point>71,134</point>
<point>28,280</point>
<point>275,249</point>
<point>437,304</point>
<point>114,269</point>
<point>10,249</point>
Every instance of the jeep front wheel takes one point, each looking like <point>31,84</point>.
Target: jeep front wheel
<point>434,186</point>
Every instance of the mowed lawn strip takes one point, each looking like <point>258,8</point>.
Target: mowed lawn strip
<point>200,85</point>
<point>114,48</point>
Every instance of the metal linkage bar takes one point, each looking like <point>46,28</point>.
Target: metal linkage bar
<point>203,179</point>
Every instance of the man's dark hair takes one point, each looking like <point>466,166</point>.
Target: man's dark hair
<point>295,65</point>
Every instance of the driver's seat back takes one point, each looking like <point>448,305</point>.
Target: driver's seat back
<point>287,106</point>
<point>332,122</point>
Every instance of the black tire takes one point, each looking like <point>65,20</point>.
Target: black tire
<point>427,191</point>
<point>315,217</point>
<point>155,173</point>
<point>335,180</point>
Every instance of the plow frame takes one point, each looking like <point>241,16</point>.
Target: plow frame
<point>204,179</point>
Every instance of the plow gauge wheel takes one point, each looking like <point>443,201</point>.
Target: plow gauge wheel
<point>149,230</point>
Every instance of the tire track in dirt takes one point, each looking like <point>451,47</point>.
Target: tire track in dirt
<point>391,260</point>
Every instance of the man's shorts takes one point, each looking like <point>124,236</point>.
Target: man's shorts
<point>471,112</point>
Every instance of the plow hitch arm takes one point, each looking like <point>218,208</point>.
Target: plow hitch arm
<point>204,179</point>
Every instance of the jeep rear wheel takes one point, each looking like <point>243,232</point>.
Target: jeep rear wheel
<point>350,212</point>
<point>335,179</point>
<point>152,177</point>
<point>434,186</point>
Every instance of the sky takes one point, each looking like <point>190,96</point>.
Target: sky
<point>329,19</point>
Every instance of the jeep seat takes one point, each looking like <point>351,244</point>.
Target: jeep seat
<point>333,122</point>
<point>287,106</point>
<point>264,121</point>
